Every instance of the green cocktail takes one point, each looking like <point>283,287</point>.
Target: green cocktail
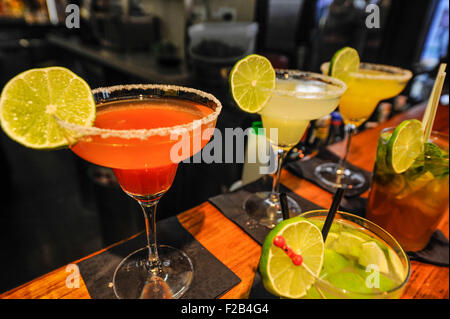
<point>361,260</point>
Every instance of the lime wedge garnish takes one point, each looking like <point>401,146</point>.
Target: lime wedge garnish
<point>280,275</point>
<point>343,62</point>
<point>372,254</point>
<point>31,100</point>
<point>252,80</point>
<point>405,145</point>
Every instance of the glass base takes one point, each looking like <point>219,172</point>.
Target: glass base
<point>265,208</point>
<point>134,280</point>
<point>328,174</point>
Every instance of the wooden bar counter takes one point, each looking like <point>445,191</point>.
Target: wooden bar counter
<point>241,254</point>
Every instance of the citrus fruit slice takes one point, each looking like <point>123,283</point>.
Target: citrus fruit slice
<point>405,145</point>
<point>343,62</point>
<point>252,80</point>
<point>420,182</point>
<point>333,262</point>
<point>349,281</point>
<point>331,240</point>
<point>349,244</point>
<point>31,101</point>
<point>281,276</point>
<point>397,265</point>
<point>372,254</point>
<point>379,282</point>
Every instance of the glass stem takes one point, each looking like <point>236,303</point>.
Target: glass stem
<point>349,130</point>
<point>276,179</point>
<point>149,210</point>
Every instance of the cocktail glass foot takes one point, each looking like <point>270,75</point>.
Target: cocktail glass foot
<point>265,208</point>
<point>337,176</point>
<point>136,278</point>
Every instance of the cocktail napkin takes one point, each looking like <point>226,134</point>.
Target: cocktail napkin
<point>232,206</point>
<point>258,291</point>
<point>435,253</point>
<point>211,278</point>
<point>305,169</point>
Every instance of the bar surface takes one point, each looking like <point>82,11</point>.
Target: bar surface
<point>241,254</point>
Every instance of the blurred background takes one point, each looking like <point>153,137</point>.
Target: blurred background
<point>56,208</point>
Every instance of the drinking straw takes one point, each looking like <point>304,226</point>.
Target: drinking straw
<point>430,111</point>
<point>332,212</point>
<point>284,206</point>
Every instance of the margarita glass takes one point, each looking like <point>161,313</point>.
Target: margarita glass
<point>142,132</point>
<point>366,88</point>
<point>343,276</point>
<point>298,98</point>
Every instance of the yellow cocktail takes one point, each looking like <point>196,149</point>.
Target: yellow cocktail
<point>367,86</point>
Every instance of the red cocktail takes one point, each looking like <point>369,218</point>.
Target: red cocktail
<point>142,132</point>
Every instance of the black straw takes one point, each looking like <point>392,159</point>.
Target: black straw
<point>332,212</point>
<point>284,206</point>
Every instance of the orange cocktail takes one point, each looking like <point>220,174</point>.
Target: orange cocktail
<point>142,132</point>
<point>144,166</point>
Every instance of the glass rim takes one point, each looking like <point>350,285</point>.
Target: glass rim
<point>340,86</point>
<point>389,72</point>
<point>372,224</point>
<point>146,133</point>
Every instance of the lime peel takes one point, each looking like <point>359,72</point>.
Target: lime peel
<point>344,62</point>
<point>280,275</point>
<point>30,102</point>
<point>252,80</point>
<point>405,145</point>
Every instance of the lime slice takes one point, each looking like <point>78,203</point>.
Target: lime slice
<point>379,282</point>
<point>372,254</point>
<point>397,265</point>
<point>405,145</point>
<point>333,262</point>
<point>280,275</point>
<point>31,100</point>
<point>252,80</point>
<point>331,240</point>
<point>349,244</point>
<point>343,62</point>
<point>420,182</point>
<point>350,281</point>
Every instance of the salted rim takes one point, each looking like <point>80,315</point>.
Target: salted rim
<point>146,133</point>
<point>390,72</point>
<point>341,86</point>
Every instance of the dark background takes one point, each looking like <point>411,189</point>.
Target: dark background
<point>56,208</point>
